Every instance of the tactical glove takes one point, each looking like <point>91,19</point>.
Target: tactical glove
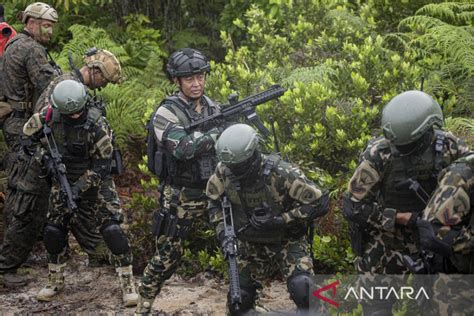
<point>76,192</point>
<point>266,221</point>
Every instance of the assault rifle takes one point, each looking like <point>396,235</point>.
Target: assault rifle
<point>245,107</point>
<point>56,167</point>
<point>230,254</point>
<point>428,239</point>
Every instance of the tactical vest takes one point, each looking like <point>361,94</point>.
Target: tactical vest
<point>247,199</point>
<point>74,144</point>
<point>192,173</point>
<point>423,168</point>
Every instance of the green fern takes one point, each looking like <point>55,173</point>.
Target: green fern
<point>309,74</point>
<point>461,127</point>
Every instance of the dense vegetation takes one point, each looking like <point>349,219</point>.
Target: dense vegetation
<point>341,61</point>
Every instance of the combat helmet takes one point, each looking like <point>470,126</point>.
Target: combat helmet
<point>69,97</point>
<point>237,148</point>
<point>186,62</point>
<point>409,116</point>
<point>106,62</point>
<point>39,10</point>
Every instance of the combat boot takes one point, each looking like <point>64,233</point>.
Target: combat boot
<point>144,306</point>
<point>129,294</point>
<point>55,282</point>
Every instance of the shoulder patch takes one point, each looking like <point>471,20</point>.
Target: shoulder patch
<point>33,125</point>
<point>304,191</point>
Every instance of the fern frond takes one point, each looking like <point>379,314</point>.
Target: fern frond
<point>419,23</point>
<point>309,74</point>
<point>450,12</point>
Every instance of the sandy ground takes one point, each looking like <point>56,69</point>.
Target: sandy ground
<point>96,291</point>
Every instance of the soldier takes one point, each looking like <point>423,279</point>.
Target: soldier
<point>395,177</point>
<point>86,151</point>
<point>183,161</point>
<point>100,67</point>
<point>272,203</point>
<point>27,73</point>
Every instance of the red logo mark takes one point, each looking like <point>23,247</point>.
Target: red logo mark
<point>332,286</point>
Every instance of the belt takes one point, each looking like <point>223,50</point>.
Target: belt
<point>20,105</point>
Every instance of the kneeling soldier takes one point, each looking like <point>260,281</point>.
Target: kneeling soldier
<point>271,203</point>
<point>79,159</point>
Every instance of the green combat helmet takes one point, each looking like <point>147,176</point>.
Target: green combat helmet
<point>187,62</point>
<point>408,116</point>
<point>237,148</point>
<point>69,97</point>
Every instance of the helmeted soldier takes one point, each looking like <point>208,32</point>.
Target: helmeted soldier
<point>390,187</point>
<point>27,72</point>
<point>100,67</point>
<point>183,161</point>
<point>86,151</point>
<point>272,203</point>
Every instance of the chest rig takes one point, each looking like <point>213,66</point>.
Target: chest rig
<point>423,168</point>
<point>74,143</point>
<point>256,197</point>
<point>192,173</point>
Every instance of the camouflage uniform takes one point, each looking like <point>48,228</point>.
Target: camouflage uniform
<point>261,251</point>
<point>27,73</point>
<point>83,227</point>
<point>184,186</point>
<point>86,163</point>
<point>374,184</point>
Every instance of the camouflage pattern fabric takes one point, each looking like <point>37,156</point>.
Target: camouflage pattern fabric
<point>287,190</point>
<point>182,147</point>
<point>26,69</point>
<point>258,262</point>
<point>27,73</point>
<point>191,209</point>
<point>387,242</point>
<point>98,204</point>
<point>450,209</point>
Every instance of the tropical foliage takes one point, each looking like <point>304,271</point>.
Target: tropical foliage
<point>341,61</point>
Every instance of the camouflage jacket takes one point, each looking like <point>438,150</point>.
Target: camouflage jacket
<point>286,190</point>
<point>27,71</point>
<point>371,176</point>
<point>97,140</point>
<point>450,207</point>
<point>169,130</point>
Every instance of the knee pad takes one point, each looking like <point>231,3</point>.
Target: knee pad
<point>54,238</point>
<point>248,300</point>
<point>115,238</point>
<point>299,285</point>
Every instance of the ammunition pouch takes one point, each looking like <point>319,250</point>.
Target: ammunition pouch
<point>165,223</point>
<point>358,237</point>
<point>207,165</point>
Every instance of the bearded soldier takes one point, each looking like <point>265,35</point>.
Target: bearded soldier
<point>272,203</point>
<point>183,161</point>
<point>27,72</point>
<point>396,175</point>
<point>86,152</point>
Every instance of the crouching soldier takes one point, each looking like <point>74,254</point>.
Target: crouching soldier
<point>271,203</point>
<point>78,156</point>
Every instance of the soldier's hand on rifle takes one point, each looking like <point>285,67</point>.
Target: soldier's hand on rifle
<point>214,133</point>
<point>226,243</point>
<point>266,220</point>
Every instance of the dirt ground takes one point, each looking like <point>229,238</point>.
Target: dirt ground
<point>96,291</point>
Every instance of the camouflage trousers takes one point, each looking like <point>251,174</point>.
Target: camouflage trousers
<point>192,208</point>
<point>97,207</point>
<point>383,255</point>
<point>259,261</point>
<point>384,251</point>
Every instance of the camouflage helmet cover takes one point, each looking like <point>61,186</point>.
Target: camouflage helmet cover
<point>186,62</point>
<point>69,97</point>
<point>39,10</point>
<point>237,144</point>
<point>409,115</point>
<point>106,62</point>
